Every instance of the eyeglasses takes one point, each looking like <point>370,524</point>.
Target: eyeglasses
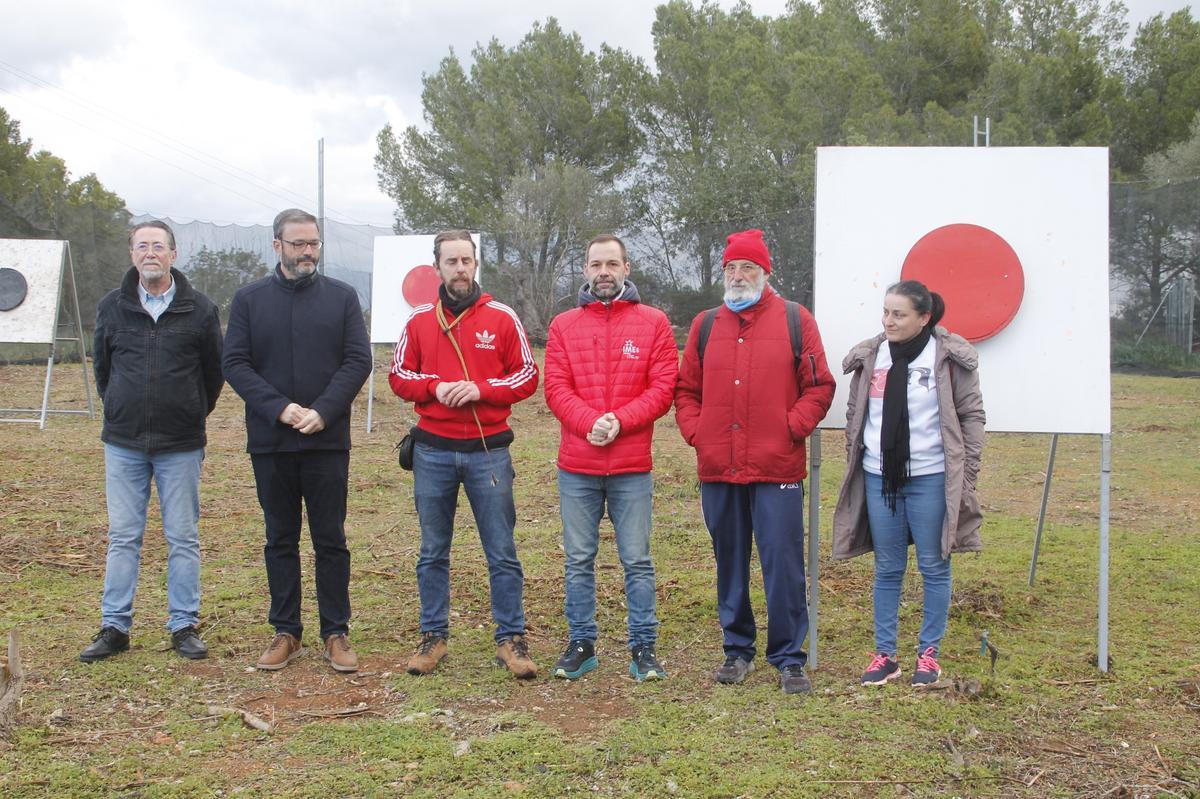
<point>300,244</point>
<point>745,269</point>
<point>158,248</point>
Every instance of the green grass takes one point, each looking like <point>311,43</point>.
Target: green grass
<point>1045,723</point>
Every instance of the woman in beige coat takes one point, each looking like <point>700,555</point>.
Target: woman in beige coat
<point>914,435</point>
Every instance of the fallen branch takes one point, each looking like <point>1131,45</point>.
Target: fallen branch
<point>248,718</point>
<point>12,680</point>
<point>337,714</point>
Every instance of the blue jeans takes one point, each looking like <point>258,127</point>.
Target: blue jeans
<point>127,476</point>
<point>437,474</point>
<point>920,512</point>
<point>582,499</point>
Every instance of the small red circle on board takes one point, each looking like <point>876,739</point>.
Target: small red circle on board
<point>977,273</point>
<point>421,285</point>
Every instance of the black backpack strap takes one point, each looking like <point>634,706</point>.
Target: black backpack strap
<point>706,324</point>
<point>793,322</point>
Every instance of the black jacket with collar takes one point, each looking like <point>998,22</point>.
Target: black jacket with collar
<point>159,380</point>
<point>301,341</point>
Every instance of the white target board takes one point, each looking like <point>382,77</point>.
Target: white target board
<point>32,275</point>
<point>1015,239</point>
<point>403,276</point>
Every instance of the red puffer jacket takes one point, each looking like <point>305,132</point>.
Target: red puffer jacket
<point>749,410</point>
<point>619,357</point>
<point>498,359</point>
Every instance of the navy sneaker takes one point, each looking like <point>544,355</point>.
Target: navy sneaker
<point>793,680</point>
<point>733,670</point>
<point>928,671</point>
<point>644,664</point>
<point>882,668</point>
<point>578,660</point>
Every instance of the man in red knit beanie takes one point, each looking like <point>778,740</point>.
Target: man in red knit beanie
<point>752,386</point>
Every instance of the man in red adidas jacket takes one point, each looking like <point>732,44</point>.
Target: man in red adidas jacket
<point>747,410</point>
<point>611,366</point>
<point>463,362</point>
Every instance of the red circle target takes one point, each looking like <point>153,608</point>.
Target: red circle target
<point>977,273</point>
<point>421,286</point>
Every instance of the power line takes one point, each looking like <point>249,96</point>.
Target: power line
<point>165,140</point>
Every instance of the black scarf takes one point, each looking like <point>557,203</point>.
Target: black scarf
<point>893,435</point>
<point>456,306</point>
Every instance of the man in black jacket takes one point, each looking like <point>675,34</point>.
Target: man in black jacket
<point>297,352</point>
<point>157,358</point>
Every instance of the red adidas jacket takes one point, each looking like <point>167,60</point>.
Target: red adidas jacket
<point>749,410</point>
<point>498,360</point>
<point>620,358</point>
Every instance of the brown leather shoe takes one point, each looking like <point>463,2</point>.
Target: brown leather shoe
<point>339,654</point>
<point>283,650</point>
<point>513,654</point>
<point>429,653</point>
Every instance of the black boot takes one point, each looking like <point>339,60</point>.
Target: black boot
<point>108,642</point>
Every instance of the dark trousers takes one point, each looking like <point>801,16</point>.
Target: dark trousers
<point>318,478</point>
<point>771,514</point>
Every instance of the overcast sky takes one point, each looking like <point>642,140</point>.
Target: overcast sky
<point>213,110</point>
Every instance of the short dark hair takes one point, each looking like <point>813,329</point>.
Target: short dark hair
<point>450,235</point>
<point>154,223</point>
<point>289,215</point>
<point>923,300</point>
<point>604,238</point>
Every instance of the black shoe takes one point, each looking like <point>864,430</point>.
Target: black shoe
<point>106,643</point>
<point>578,660</point>
<point>734,670</point>
<point>187,644</point>
<point>793,680</point>
<point>644,664</point>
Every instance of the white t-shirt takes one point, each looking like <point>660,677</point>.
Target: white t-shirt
<point>926,455</point>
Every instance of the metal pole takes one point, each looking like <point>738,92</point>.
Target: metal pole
<point>1037,540</point>
<point>987,132</point>
<point>975,130</point>
<point>87,390</point>
<point>1105,479</point>
<point>814,544</point>
<point>371,394</point>
<point>46,390</point>
<point>321,193</point>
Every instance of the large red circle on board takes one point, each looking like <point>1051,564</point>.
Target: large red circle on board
<point>421,286</point>
<point>977,273</point>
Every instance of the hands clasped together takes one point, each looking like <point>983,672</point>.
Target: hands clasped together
<point>306,420</point>
<point>605,430</point>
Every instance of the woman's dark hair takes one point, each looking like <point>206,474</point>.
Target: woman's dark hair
<point>923,300</point>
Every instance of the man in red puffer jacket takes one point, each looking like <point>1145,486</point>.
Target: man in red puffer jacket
<point>747,403</point>
<point>611,366</point>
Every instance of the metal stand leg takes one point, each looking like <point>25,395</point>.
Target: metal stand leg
<point>46,390</point>
<point>371,394</point>
<point>1037,541</point>
<point>814,544</point>
<point>1105,479</point>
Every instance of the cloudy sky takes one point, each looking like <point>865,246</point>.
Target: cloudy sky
<point>213,110</point>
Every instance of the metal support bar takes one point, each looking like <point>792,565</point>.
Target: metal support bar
<point>87,391</point>
<point>1105,480</point>
<point>814,544</point>
<point>1037,541</point>
<point>371,394</point>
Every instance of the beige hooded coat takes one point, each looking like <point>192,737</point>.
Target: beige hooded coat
<point>962,418</point>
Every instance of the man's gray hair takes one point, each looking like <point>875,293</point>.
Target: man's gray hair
<point>289,216</point>
<point>153,223</point>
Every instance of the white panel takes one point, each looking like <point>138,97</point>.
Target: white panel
<point>395,257</point>
<point>1048,371</point>
<point>40,262</point>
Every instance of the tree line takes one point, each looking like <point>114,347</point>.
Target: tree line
<point>545,143</point>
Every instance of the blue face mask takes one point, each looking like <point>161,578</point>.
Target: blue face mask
<point>741,305</point>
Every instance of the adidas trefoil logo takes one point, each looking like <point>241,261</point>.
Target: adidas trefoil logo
<point>485,340</point>
<point>629,350</point>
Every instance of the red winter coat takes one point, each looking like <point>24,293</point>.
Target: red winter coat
<point>749,410</point>
<point>619,357</point>
<point>498,359</point>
